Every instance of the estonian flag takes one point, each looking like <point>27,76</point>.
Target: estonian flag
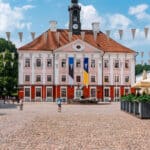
<point>86,72</point>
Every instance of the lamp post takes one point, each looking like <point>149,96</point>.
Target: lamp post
<point>4,89</point>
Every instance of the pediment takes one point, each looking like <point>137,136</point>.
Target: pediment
<point>78,46</point>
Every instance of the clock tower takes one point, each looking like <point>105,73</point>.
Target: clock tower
<point>74,17</point>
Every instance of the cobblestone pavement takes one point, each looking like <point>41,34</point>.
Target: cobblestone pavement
<point>78,127</point>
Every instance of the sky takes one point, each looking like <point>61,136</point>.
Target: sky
<point>34,15</point>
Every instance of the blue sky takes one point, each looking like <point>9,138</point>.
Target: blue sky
<point>34,15</point>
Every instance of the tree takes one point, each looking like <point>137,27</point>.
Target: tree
<point>139,68</point>
<point>8,68</point>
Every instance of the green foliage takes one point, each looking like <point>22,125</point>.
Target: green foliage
<point>7,45</point>
<point>140,98</point>
<point>139,68</point>
<point>8,68</point>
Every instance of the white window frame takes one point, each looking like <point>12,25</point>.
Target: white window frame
<point>46,93</point>
<point>63,87</point>
<point>28,98</point>
<point>128,89</point>
<point>95,92</point>
<point>116,98</point>
<point>75,96</point>
<point>41,93</point>
<point>106,98</point>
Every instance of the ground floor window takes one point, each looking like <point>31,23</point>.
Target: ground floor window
<point>49,92</point>
<point>38,92</point>
<point>126,91</point>
<point>117,92</point>
<point>106,92</point>
<point>93,92</point>
<point>27,92</point>
<point>63,92</point>
<point>78,93</point>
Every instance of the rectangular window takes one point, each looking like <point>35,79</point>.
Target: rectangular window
<point>38,63</point>
<point>92,63</point>
<point>127,79</point>
<point>49,92</point>
<point>105,63</point>
<point>106,79</point>
<point>126,91</point>
<point>78,78</point>
<point>38,92</point>
<point>27,78</point>
<point>27,62</point>
<point>63,63</point>
<point>49,62</point>
<point>93,79</point>
<point>63,79</point>
<point>116,64</point>
<point>63,92</point>
<point>93,92</point>
<point>126,64</point>
<point>116,78</point>
<point>78,63</point>
<point>117,92</point>
<point>49,78</point>
<point>38,78</point>
<point>27,92</point>
<point>106,92</point>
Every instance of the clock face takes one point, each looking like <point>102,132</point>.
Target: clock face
<point>75,26</point>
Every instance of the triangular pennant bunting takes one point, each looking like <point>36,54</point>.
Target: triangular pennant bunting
<point>108,33</point>
<point>33,35</point>
<point>133,31</point>
<point>8,35</point>
<point>146,30</point>
<point>20,36</point>
<point>120,34</point>
<point>142,54</point>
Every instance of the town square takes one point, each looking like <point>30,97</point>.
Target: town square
<point>77,78</point>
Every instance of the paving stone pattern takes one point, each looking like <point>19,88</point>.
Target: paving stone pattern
<point>78,127</point>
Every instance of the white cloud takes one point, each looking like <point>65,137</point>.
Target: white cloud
<point>140,11</point>
<point>13,18</point>
<point>88,15</point>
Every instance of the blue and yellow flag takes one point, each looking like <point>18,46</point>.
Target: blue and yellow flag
<point>86,72</point>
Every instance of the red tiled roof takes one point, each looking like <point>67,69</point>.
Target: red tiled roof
<point>50,43</point>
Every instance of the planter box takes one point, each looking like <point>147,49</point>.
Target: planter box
<point>136,108</point>
<point>131,104</point>
<point>144,110</point>
<point>122,105</point>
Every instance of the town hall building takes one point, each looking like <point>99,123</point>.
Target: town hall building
<point>74,63</point>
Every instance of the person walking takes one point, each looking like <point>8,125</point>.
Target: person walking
<point>59,102</point>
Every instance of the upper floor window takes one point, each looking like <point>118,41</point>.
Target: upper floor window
<point>116,78</point>
<point>63,63</point>
<point>63,78</point>
<point>92,63</point>
<point>93,79</point>
<point>38,63</point>
<point>78,78</point>
<point>27,78</point>
<point>126,64</point>
<point>116,65</point>
<point>38,78</point>
<point>49,62</point>
<point>78,63</point>
<point>49,78</point>
<point>106,79</point>
<point>105,63</point>
<point>27,62</point>
<point>127,79</point>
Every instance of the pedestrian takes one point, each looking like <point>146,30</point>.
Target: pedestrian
<point>59,102</point>
<point>21,104</point>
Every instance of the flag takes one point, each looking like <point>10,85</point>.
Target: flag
<point>8,35</point>
<point>108,33</point>
<point>71,70</point>
<point>146,30</point>
<point>20,36</point>
<point>33,35</point>
<point>86,72</point>
<point>133,31</point>
<point>120,33</point>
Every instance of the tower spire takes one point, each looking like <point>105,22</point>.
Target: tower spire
<point>74,17</point>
